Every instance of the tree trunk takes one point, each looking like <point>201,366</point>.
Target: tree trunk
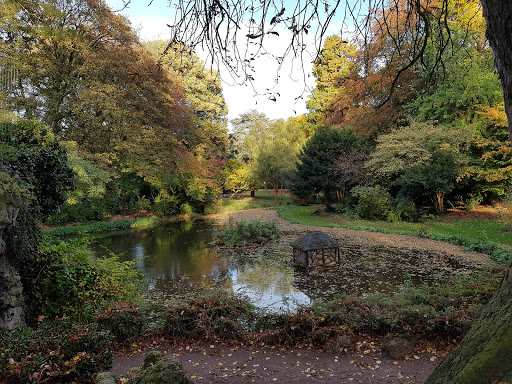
<point>485,353</point>
<point>253,193</point>
<point>498,16</point>
<point>439,202</point>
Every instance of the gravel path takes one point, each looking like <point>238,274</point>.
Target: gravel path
<point>213,364</point>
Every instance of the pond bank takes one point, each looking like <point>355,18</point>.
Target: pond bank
<point>349,237</point>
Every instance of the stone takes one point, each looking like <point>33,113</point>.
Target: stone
<point>167,370</point>
<point>11,292</point>
<point>152,358</point>
<point>105,378</point>
<point>341,342</point>
<point>398,348</point>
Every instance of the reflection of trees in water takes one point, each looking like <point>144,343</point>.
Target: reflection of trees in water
<point>179,258</point>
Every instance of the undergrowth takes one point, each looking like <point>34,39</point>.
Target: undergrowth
<point>443,311</point>
<point>60,351</point>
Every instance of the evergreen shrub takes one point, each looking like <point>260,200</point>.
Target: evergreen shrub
<point>373,203</point>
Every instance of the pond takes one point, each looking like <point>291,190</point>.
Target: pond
<point>177,258</point>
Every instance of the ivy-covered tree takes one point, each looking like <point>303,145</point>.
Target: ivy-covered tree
<point>30,153</point>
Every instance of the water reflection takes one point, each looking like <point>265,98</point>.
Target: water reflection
<point>179,257</point>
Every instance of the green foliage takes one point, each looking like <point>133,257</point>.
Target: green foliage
<point>406,210</point>
<point>10,189</point>
<point>123,320</point>
<point>165,205</point>
<point>210,316</point>
<point>32,156</point>
<point>65,279</point>
<point>315,162</point>
<point>22,241</point>
<point>89,227</point>
<point>373,203</point>
<point>433,179</point>
<point>56,352</point>
<point>248,232</point>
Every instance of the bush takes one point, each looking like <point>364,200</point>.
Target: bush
<point>407,211</point>
<point>65,279</point>
<point>216,314</point>
<point>373,203</point>
<point>123,320</point>
<point>58,351</point>
<point>166,205</point>
<point>245,232</point>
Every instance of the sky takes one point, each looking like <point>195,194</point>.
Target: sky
<point>295,78</point>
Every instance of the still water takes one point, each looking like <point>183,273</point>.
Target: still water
<point>176,258</point>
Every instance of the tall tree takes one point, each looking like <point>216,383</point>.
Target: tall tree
<point>315,165</point>
<point>276,153</point>
<point>202,89</point>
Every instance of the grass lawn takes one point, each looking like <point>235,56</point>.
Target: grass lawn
<point>241,201</point>
<point>477,234</point>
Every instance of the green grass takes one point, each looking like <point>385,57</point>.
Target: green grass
<point>98,226</point>
<point>480,235</point>
<point>242,201</point>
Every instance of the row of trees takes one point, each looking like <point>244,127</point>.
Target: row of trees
<point>435,134</point>
<point>139,120</point>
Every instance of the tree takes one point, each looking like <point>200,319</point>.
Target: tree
<point>334,63</point>
<point>348,170</point>
<point>202,89</point>
<point>30,153</point>
<point>420,159</point>
<point>84,73</point>
<point>276,153</point>
<point>315,162</point>
<point>248,130</point>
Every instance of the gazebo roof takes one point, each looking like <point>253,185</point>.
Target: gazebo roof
<point>315,240</point>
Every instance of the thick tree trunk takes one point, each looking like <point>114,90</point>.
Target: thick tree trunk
<point>498,16</point>
<point>485,353</point>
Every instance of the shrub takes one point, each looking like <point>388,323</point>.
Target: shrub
<point>407,211</point>
<point>123,320</point>
<point>372,202</point>
<point>166,205</point>
<point>245,232</point>
<point>56,352</point>
<point>186,209</point>
<point>65,279</point>
<point>213,315</point>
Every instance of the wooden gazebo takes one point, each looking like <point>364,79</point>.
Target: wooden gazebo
<point>316,249</point>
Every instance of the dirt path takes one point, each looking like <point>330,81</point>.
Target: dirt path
<point>222,364</point>
<point>214,365</point>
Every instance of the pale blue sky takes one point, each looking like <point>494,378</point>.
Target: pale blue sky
<point>150,22</point>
